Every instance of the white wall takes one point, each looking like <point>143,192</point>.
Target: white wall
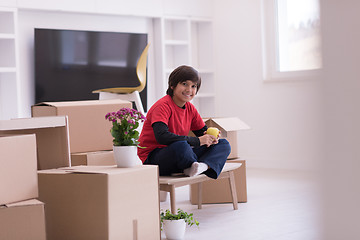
<point>30,19</point>
<point>341,159</point>
<point>283,115</point>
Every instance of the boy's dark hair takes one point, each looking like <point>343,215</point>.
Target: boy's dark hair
<point>182,74</point>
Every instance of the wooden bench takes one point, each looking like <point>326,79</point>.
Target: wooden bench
<point>169,183</point>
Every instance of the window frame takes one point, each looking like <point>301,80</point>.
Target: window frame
<point>270,49</point>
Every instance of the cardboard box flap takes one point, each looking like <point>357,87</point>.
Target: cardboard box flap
<point>228,124</point>
<point>109,170</point>
<point>51,171</point>
<point>32,123</point>
<point>24,203</point>
<point>81,103</point>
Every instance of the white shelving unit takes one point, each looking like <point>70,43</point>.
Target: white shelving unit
<point>189,41</point>
<point>202,60</point>
<point>8,64</point>
<point>177,40</point>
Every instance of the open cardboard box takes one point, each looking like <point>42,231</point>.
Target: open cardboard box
<point>88,129</point>
<point>23,220</point>
<point>229,127</point>
<point>52,138</point>
<point>101,202</point>
<point>18,168</point>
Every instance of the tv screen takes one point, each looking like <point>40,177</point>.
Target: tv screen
<point>70,64</point>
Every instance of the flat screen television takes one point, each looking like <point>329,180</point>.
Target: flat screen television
<point>70,64</point>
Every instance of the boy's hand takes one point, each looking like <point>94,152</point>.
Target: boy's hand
<point>208,140</point>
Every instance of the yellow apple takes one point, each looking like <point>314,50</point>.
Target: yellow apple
<point>213,131</point>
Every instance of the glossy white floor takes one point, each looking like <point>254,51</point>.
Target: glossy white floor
<point>281,205</point>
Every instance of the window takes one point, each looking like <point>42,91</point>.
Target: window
<point>292,43</point>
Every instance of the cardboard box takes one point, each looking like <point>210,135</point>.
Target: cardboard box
<point>101,202</point>
<point>218,191</point>
<point>18,171</point>
<point>23,221</point>
<point>229,128</point>
<point>52,138</point>
<point>98,158</point>
<point>88,129</point>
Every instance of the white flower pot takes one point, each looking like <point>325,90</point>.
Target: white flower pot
<point>174,229</point>
<point>126,156</point>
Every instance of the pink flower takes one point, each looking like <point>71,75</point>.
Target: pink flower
<point>124,121</point>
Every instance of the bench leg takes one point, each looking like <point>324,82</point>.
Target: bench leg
<point>233,189</point>
<point>200,195</point>
<point>172,200</point>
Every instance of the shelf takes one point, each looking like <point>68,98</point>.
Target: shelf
<point>176,55</point>
<point>205,71</point>
<point>7,70</point>
<point>7,21</point>
<point>205,95</point>
<point>188,41</point>
<point>176,42</point>
<point>201,71</point>
<point>8,95</point>
<point>176,29</point>
<point>7,36</point>
<point>7,50</point>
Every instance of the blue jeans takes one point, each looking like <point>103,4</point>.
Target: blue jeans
<point>180,155</point>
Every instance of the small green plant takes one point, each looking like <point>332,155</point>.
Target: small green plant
<point>188,217</point>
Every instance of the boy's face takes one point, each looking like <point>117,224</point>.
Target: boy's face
<point>184,92</point>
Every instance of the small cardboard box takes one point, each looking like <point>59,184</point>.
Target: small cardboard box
<point>218,191</point>
<point>229,128</point>
<point>98,158</point>
<point>18,171</point>
<point>88,129</point>
<point>52,138</point>
<point>23,220</point>
<point>101,202</point>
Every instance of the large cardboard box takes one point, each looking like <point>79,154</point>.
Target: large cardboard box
<point>18,169</point>
<point>52,138</point>
<point>23,221</point>
<point>218,191</point>
<point>88,128</point>
<point>229,128</point>
<point>101,202</point>
<point>98,158</point>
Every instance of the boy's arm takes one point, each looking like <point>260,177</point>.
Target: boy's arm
<point>200,132</point>
<point>163,136</point>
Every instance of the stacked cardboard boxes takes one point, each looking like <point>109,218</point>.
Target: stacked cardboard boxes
<point>89,132</point>
<point>88,129</point>
<point>83,202</point>
<point>21,215</point>
<point>96,202</point>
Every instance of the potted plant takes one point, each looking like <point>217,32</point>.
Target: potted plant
<point>125,135</point>
<point>174,225</point>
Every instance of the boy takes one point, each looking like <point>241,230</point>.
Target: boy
<point>165,132</point>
